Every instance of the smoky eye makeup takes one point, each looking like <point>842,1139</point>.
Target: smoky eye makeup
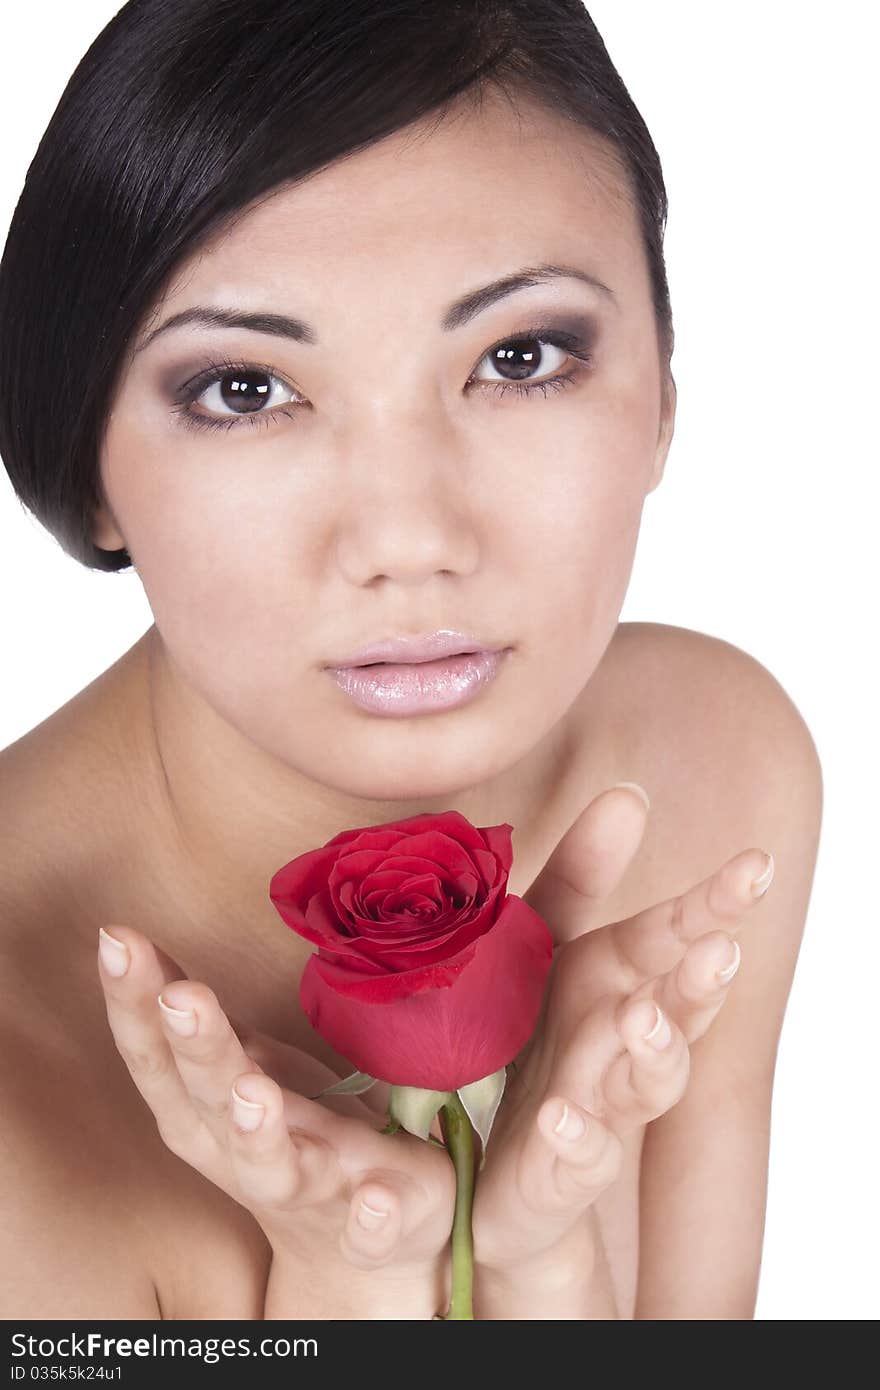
<point>583,326</point>
<point>578,333</point>
<point>260,383</point>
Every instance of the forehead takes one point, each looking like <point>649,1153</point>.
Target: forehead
<point>487,189</point>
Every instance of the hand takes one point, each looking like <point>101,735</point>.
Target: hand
<point>611,1048</point>
<point>305,1171</point>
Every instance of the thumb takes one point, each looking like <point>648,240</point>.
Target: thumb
<point>590,861</point>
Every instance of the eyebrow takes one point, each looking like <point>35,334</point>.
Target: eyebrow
<point>459,313</point>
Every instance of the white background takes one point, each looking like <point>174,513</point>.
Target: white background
<point>763,532</point>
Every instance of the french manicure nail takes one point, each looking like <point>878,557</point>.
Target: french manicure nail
<point>730,970</point>
<point>247,1114</point>
<point>369,1217</point>
<point>571,1124</point>
<point>114,954</point>
<point>763,881</point>
<point>182,1021</point>
<point>660,1035</point>
<point>638,789</point>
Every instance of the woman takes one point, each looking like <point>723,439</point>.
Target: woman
<point>377,341</point>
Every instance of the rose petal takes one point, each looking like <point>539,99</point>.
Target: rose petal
<point>407,957</point>
<point>447,1035</point>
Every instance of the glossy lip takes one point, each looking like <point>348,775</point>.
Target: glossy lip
<point>413,688</point>
<point>416,650</point>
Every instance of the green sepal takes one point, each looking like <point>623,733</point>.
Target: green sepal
<point>392,1127</point>
<point>353,1085</point>
<point>416,1108</point>
<point>481,1100</point>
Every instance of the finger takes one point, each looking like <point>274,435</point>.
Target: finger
<point>275,1173</point>
<point>694,991</point>
<point>132,973</point>
<point>207,1051</point>
<point>288,1153</point>
<point>393,1216</point>
<point>655,939</point>
<point>650,1076</point>
<point>420,1177</point>
<point>372,1231</point>
<point>295,1070</point>
<point>567,1158</point>
<point>586,1157</point>
<point>590,861</point>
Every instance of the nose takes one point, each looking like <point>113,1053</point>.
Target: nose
<point>407,513</point>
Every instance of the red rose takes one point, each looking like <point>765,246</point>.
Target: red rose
<point>427,972</point>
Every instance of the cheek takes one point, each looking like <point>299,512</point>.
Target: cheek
<point>227,601</point>
<point>241,631</point>
<point>582,513</point>
<point>214,555</point>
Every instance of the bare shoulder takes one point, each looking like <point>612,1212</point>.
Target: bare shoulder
<point>696,685</point>
<point>729,763</point>
<point>712,730</point>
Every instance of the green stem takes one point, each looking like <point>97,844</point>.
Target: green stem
<point>460,1142</point>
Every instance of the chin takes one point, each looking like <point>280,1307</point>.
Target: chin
<point>409,781</point>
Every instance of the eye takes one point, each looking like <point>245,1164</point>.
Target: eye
<point>248,393</point>
<point>235,392</point>
<point>516,360</point>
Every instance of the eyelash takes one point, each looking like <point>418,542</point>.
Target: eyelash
<point>216,370</point>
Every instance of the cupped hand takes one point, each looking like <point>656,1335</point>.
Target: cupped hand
<point>610,1052</point>
<point>313,1174</point>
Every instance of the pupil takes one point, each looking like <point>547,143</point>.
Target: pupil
<point>518,359</point>
<point>237,390</point>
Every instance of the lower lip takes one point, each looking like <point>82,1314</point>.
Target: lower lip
<point>417,688</point>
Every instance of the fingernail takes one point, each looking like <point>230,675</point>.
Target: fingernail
<point>639,790</point>
<point>182,1021</point>
<point>247,1114</point>
<point>370,1217</point>
<point>571,1124</point>
<point>763,881</point>
<point>730,970</point>
<point>660,1035</point>
<point>115,957</point>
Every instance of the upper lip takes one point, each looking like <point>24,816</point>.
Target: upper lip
<point>416,650</point>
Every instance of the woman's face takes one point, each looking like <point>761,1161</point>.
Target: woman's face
<point>393,478</point>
